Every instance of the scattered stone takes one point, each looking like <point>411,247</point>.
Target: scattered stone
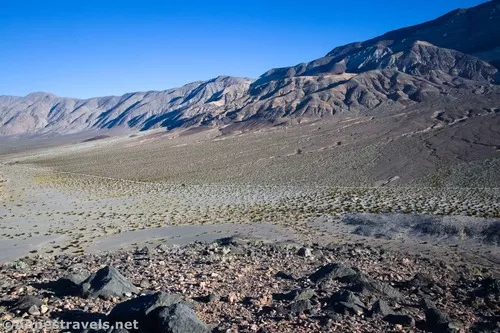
<point>232,298</point>
<point>19,265</point>
<point>44,309</point>
<point>34,310</point>
<point>286,246</point>
<point>162,248</point>
<point>304,252</point>
<point>236,250</point>
<point>208,298</point>
<point>300,306</point>
<point>144,284</point>
<point>144,251</point>
<point>266,294</point>
<point>264,301</point>
<point>453,327</point>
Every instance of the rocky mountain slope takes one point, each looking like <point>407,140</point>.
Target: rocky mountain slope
<point>43,112</point>
<point>435,60</point>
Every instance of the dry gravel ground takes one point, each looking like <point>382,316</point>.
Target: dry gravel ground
<point>249,285</point>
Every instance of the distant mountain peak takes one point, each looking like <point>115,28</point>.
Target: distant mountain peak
<point>40,94</point>
<point>453,55</point>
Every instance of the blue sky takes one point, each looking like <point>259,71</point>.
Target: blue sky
<point>96,48</point>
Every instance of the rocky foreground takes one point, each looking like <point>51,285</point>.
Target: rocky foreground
<point>247,285</point>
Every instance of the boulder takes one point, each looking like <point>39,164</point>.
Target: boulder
<point>345,302</point>
<point>295,307</point>
<point>370,286</point>
<point>74,279</point>
<point>140,307</point>
<point>106,283</point>
<point>332,271</point>
<point>304,252</point>
<point>26,304</point>
<point>177,318</point>
<point>380,307</point>
<point>437,321</point>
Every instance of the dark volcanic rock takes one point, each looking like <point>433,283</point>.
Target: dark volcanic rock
<point>420,280</point>
<point>304,252</point>
<point>490,286</point>
<point>380,307</point>
<point>438,321</point>
<point>26,304</point>
<point>178,318</point>
<point>207,298</point>
<point>300,306</point>
<point>332,271</point>
<point>380,288</point>
<point>432,315</point>
<point>140,307</point>
<point>296,295</point>
<point>401,319</point>
<point>142,252</point>
<point>345,302</point>
<point>295,307</point>
<point>107,282</point>
<point>71,282</point>
<point>285,276</point>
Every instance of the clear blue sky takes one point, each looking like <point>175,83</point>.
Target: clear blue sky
<point>87,48</point>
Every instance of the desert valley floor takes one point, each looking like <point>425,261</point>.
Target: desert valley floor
<point>327,188</point>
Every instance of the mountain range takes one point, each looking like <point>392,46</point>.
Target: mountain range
<point>443,59</point>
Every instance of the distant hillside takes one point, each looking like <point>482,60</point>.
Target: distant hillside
<point>449,56</point>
